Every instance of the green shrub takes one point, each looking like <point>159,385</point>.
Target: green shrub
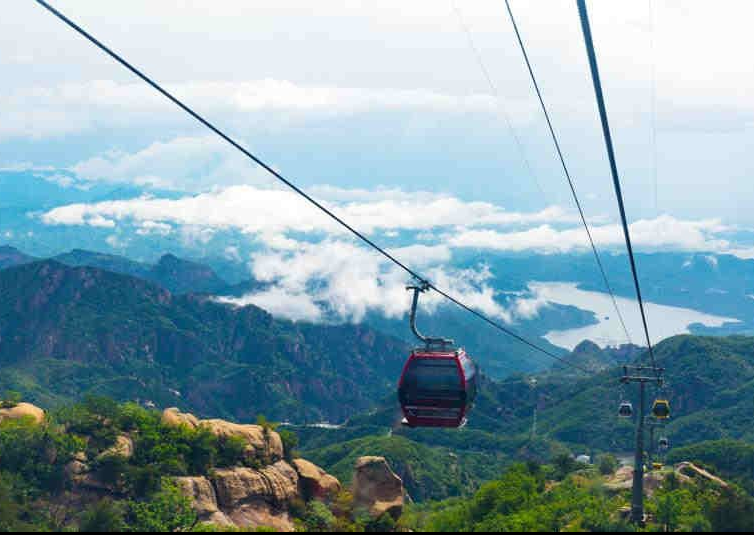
<point>105,516</point>
<point>607,464</point>
<point>290,443</point>
<point>10,399</point>
<point>168,510</point>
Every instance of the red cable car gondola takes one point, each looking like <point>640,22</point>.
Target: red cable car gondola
<point>439,382</point>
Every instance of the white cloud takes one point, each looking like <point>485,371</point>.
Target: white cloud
<point>279,302</point>
<point>423,255</point>
<point>664,232</point>
<point>233,253</point>
<point>187,163</point>
<point>41,112</point>
<point>272,212</point>
<point>339,280</point>
<point>117,242</point>
<point>149,228</point>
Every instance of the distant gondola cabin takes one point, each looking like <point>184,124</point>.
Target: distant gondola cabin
<point>661,409</point>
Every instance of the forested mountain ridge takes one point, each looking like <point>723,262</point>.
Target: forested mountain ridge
<point>67,331</point>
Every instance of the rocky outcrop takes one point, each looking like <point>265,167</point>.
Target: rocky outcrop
<point>245,497</point>
<point>276,485</point>
<point>23,410</point>
<point>262,444</point>
<point>377,488</point>
<point>204,500</point>
<point>262,515</point>
<point>176,418</point>
<point>76,471</point>
<point>315,483</point>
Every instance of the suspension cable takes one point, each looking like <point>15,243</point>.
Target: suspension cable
<point>295,188</point>
<point>493,87</point>
<point>566,170</point>
<point>594,67</point>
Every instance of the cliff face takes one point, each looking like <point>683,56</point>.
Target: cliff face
<point>267,495</point>
<point>62,327</point>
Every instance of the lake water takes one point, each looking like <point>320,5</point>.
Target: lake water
<point>664,321</point>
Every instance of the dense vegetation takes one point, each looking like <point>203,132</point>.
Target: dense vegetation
<point>710,385</point>
<point>134,493</point>
<point>428,473</point>
<point>565,496</point>
<point>69,332</point>
<point>34,457</point>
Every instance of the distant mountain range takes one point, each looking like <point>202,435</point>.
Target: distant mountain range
<point>66,332</point>
<point>716,285</point>
<point>709,382</point>
<point>170,272</point>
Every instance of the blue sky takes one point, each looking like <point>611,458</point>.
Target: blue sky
<point>382,110</point>
<point>393,59</point>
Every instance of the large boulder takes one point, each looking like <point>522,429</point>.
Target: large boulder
<point>262,515</point>
<point>377,488</point>
<point>262,444</point>
<point>314,482</point>
<point>76,471</point>
<point>276,485</point>
<point>202,494</point>
<point>23,410</point>
<point>175,418</point>
<point>204,500</point>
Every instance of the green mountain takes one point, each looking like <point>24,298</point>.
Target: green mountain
<point>429,473</point>
<point>710,382</point>
<point>70,331</point>
<point>172,273</point>
<point>566,496</point>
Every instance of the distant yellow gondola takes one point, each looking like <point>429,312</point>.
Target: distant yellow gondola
<point>661,409</point>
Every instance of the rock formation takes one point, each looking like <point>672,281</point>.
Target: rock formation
<point>176,418</point>
<point>204,500</point>
<point>377,488</point>
<point>276,484</point>
<point>247,497</point>
<point>262,444</point>
<point>23,410</point>
<point>315,483</point>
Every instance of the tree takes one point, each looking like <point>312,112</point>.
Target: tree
<point>106,517</point>
<point>607,464</point>
<point>290,443</point>
<point>10,510</point>
<point>10,399</point>
<point>668,511</point>
<point>318,517</point>
<point>165,511</point>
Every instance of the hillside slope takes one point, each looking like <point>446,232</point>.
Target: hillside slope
<point>67,331</point>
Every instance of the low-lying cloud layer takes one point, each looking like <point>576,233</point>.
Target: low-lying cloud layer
<point>313,270</point>
<point>340,280</point>
<point>265,211</point>
<point>271,214</point>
